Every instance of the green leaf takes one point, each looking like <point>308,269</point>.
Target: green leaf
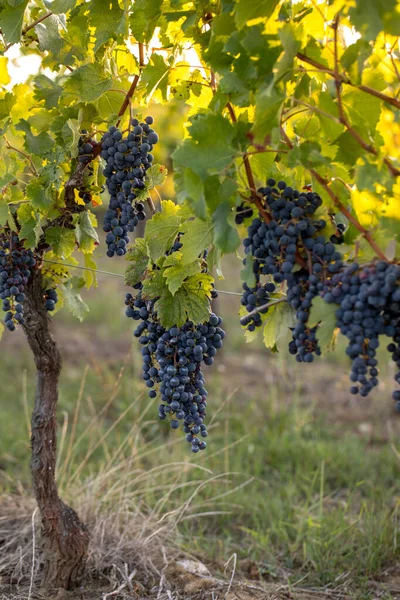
<point>46,89</point>
<point>279,319</point>
<point>11,19</point>
<point>190,303</point>
<point>138,256</point>
<point>40,195</point>
<point>71,135</point>
<point>5,214</point>
<point>144,18</point>
<point>6,104</point>
<point>175,275</point>
<point>162,230</point>
<point>87,83</point>
<point>30,223</point>
<point>246,11</point>
<point>156,176</point>
<point>210,148</point>
<point>247,273</point>
<point>85,234</point>
<point>72,299</point>
<point>89,275</point>
<point>268,106</point>
<point>198,237</point>
<point>372,16</point>
<point>61,240</point>
<point>194,190</point>
<point>60,6</point>
<point>109,20</point>
<point>225,233</point>
<point>154,76</point>
<point>35,144</point>
<point>323,315</point>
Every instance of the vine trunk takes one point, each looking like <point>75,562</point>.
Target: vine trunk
<point>65,539</point>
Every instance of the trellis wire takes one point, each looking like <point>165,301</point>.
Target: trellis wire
<point>117,274</point>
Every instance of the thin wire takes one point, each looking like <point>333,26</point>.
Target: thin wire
<point>118,274</point>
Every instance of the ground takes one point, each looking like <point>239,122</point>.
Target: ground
<point>296,496</point>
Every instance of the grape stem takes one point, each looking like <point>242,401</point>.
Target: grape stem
<point>325,184</point>
<point>32,167</point>
<point>260,308</point>
<point>249,174</point>
<point>366,234</point>
<point>342,115</point>
<point>364,88</point>
<point>255,197</point>
<point>31,26</point>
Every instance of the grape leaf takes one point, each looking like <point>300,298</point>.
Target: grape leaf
<point>31,228</point>
<point>85,233</point>
<point>162,230</point>
<point>144,18</point>
<point>279,319</point>
<point>70,293</point>
<point>87,83</point>
<point>108,19</point>
<point>247,273</point>
<point>176,275</point>
<point>60,6</point>
<point>225,234</point>
<point>323,315</point>
<point>89,274</point>
<point>246,11</point>
<point>46,89</point>
<point>190,302</point>
<point>138,256</point>
<point>61,240</point>
<point>198,236</point>
<point>210,148</point>
<point>156,176</point>
<point>11,19</point>
<point>35,144</point>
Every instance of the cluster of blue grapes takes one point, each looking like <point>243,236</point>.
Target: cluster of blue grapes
<point>369,307</point>
<point>16,263</point>
<point>85,147</point>
<point>172,360</point>
<point>50,298</point>
<point>289,249</point>
<point>127,159</point>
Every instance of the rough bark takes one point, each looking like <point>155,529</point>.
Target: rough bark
<point>65,539</point>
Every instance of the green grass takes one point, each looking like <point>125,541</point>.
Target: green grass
<point>305,498</point>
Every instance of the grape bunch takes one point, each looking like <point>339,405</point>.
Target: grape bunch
<point>172,360</point>
<point>289,250</point>
<point>85,147</point>
<point>255,299</point>
<point>243,211</point>
<point>369,307</point>
<point>16,263</point>
<point>50,298</point>
<point>127,159</point>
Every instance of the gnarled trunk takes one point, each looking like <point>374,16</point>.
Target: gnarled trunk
<point>65,539</point>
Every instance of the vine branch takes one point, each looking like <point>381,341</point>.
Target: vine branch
<point>32,167</point>
<point>249,174</point>
<point>261,308</point>
<point>337,202</point>
<point>342,115</point>
<point>364,88</point>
